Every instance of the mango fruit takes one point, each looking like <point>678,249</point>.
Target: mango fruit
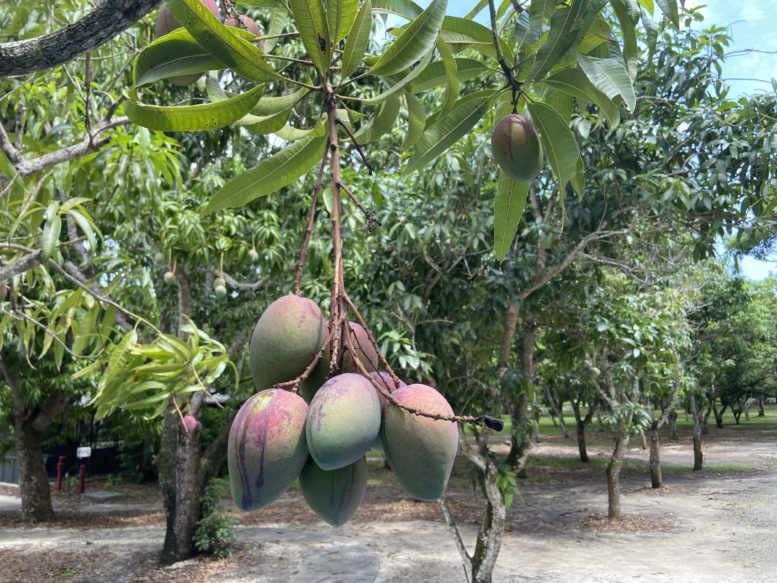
<point>516,147</point>
<point>334,494</point>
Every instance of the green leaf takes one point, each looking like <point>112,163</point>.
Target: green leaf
<point>271,173</point>
<point>416,120</point>
<point>449,65</point>
<point>560,144</point>
<point>435,75</point>
<point>414,43</point>
<point>340,16</point>
<point>358,40</point>
<point>207,116</point>
<point>566,31</point>
<point>508,210</point>
<point>610,77</point>
<point>669,8</point>
<point>271,105</point>
<point>574,82</point>
<point>310,18</point>
<point>279,18</point>
<point>49,238</point>
<point>404,8</point>
<point>382,122</point>
<point>86,225</point>
<point>292,134</point>
<point>448,129</point>
<point>629,32</point>
<point>401,84</point>
<point>268,124</point>
<point>223,42</point>
<point>539,12</point>
<point>172,55</point>
<point>469,34</point>
<point>523,32</point>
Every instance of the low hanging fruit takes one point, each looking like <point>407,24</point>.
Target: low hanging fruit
<point>516,147</point>
<point>334,494</point>
<point>266,450</point>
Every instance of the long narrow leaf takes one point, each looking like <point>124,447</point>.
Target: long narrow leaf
<point>448,129</point>
<point>560,144</point>
<point>310,18</point>
<point>272,173</point>
<point>358,40</point>
<point>172,55</point>
<point>207,116</point>
<point>416,41</point>
<point>508,209</point>
<point>610,77</point>
<point>340,16</point>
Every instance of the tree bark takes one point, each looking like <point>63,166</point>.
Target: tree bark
<point>705,422</point>
<point>614,471</point>
<point>33,480</point>
<point>672,426</point>
<point>698,455</point>
<point>556,409</point>
<point>580,424</point>
<point>110,18</point>
<point>655,457</point>
<point>492,527</point>
<point>718,414</point>
<point>761,408</point>
<point>521,417</point>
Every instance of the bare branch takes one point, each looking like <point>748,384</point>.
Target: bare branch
<point>233,283</point>
<point>25,263</point>
<point>110,18</point>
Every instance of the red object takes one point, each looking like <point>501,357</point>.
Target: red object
<point>60,470</point>
<point>82,476</point>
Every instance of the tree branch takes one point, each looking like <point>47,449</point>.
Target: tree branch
<point>89,144</point>
<point>233,283</point>
<point>109,19</point>
<point>53,407</point>
<point>24,263</point>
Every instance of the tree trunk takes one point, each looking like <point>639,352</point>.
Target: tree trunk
<point>535,423</point>
<point>580,425</point>
<point>718,415</point>
<point>655,457</point>
<point>672,426</point>
<point>761,409</point>
<point>698,456</point>
<point>182,484</point>
<point>705,422</point>
<point>745,408</point>
<point>614,471</point>
<point>33,480</point>
<point>521,419</point>
<point>492,527</point>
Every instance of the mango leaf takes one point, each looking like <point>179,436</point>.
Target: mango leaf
<point>629,32</point>
<point>49,238</point>
<point>508,210</point>
<point>523,32</point>
<point>416,120</point>
<point>669,8</point>
<point>272,173</point>
<point>405,8</point>
<point>310,18</point>
<point>382,122</point>
<point>448,129</point>
<point>414,43</point>
<point>558,140</point>
<point>86,225</point>
<point>183,118</point>
<point>401,84</point>
<point>279,18</point>
<point>358,40</point>
<point>539,12</point>
<point>567,27</point>
<point>574,82</point>
<point>435,75</point>
<point>340,16</point>
<point>610,77</point>
<point>269,105</point>
<point>449,65</point>
<point>223,42</point>
<point>463,33</point>
<point>257,124</point>
<point>172,55</point>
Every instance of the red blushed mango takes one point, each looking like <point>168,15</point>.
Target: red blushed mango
<point>384,380</point>
<point>266,450</point>
<point>285,340</point>
<point>516,147</point>
<point>334,494</point>
<point>343,421</point>
<point>420,450</point>
<point>364,350</point>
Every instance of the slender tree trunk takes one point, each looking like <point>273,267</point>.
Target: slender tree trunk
<point>580,424</point>
<point>535,423</point>
<point>492,527</point>
<point>698,455</point>
<point>672,426</point>
<point>521,419</point>
<point>614,471</point>
<point>719,415</point>
<point>655,457</point>
<point>761,408</point>
<point>556,407</point>
<point>705,423</point>
<point>745,408</point>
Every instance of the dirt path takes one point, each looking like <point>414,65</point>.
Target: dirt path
<point>711,528</point>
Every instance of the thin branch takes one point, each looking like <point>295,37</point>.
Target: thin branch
<point>109,19</point>
<point>467,560</point>
<point>371,220</point>
<point>303,253</point>
<point>356,144</point>
<point>89,144</point>
<point>14,155</point>
<point>233,283</point>
<point>25,263</point>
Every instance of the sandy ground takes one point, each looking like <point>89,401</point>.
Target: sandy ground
<point>717,526</point>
